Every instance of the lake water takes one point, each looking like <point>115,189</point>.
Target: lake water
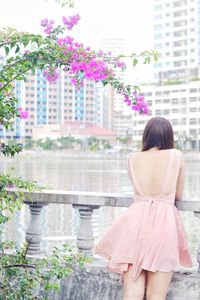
<point>106,174</point>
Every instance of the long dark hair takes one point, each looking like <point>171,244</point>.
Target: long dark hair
<point>158,132</point>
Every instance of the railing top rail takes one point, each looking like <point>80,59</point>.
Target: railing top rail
<point>98,199</point>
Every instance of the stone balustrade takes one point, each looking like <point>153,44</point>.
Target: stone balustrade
<point>85,202</point>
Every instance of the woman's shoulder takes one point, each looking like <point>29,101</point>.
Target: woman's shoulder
<point>179,152</point>
<point>134,154</point>
<point>138,154</point>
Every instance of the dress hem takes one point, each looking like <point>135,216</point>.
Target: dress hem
<point>121,272</point>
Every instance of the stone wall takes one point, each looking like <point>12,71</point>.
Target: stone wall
<point>98,284</point>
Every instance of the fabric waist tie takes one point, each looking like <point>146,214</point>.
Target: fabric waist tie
<point>164,199</point>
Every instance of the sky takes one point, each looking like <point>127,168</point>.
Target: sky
<point>128,19</point>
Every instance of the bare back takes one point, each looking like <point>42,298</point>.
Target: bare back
<point>150,167</point>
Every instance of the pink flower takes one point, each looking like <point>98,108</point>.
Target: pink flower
<point>23,114</point>
<point>100,53</point>
<point>69,40</point>
<point>134,93</point>
<point>60,41</point>
<point>10,185</point>
<point>71,21</point>
<point>140,98</point>
<point>44,22</point>
<point>121,65</point>
<point>127,100</point>
<point>74,81</point>
<point>51,75</point>
<point>48,24</point>
<point>141,106</point>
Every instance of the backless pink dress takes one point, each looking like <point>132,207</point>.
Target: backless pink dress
<point>149,234</point>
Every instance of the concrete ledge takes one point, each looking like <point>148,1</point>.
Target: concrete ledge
<point>97,199</point>
<point>96,283</point>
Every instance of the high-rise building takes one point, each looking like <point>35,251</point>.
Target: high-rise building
<point>120,116</point>
<point>177,38</point>
<point>57,103</point>
<point>176,94</point>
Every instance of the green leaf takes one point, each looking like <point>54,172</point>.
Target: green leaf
<point>147,60</point>
<point>25,40</point>
<point>17,48</point>
<point>133,55</point>
<point>12,44</point>
<point>6,50</point>
<point>135,61</point>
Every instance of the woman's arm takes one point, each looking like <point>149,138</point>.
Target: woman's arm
<point>181,179</point>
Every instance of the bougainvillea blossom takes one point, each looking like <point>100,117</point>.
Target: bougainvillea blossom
<point>48,25</point>
<point>51,74</point>
<point>83,63</point>
<point>137,103</point>
<point>23,114</point>
<point>71,21</point>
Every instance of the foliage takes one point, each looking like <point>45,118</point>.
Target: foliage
<point>69,3</point>
<point>66,142</point>
<point>11,149</point>
<point>13,199</point>
<point>48,144</point>
<point>93,143</point>
<point>61,143</point>
<point>173,82</point>
<point>23,278</point>
<point>29,144</point>
<point>195,79</point>
<point>124,139</point>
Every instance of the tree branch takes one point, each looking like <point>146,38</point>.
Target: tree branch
<point>19,266</point>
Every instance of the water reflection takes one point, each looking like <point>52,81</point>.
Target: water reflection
<point>60,222</point>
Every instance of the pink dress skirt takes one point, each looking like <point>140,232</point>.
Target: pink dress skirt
<point>149,235</point>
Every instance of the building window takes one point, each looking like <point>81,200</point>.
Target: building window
<point>193,109</point>
<point>158,17</point>
<point>166,93</point>
<point>193,99</point>
<point>174,122</point>
<point>175,101</point>
<point>165,112</point>
<point>193,131</point>
<point>158,93</point>
<point>166,101</point>
<point>158,112</point>
<point>193,121</point>
<point>158,26</point>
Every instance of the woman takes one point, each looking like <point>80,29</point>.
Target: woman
<point>148,242</point>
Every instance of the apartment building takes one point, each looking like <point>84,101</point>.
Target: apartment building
<point>119,116</point>
<point>55,103</point>
<point>176,92</point>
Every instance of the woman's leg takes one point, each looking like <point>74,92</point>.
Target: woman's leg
<point>134,290</point>
<point>157,285</point>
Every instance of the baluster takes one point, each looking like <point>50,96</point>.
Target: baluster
<point>33,232</point>
<point>197,214</point>
<point>85,237</point>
